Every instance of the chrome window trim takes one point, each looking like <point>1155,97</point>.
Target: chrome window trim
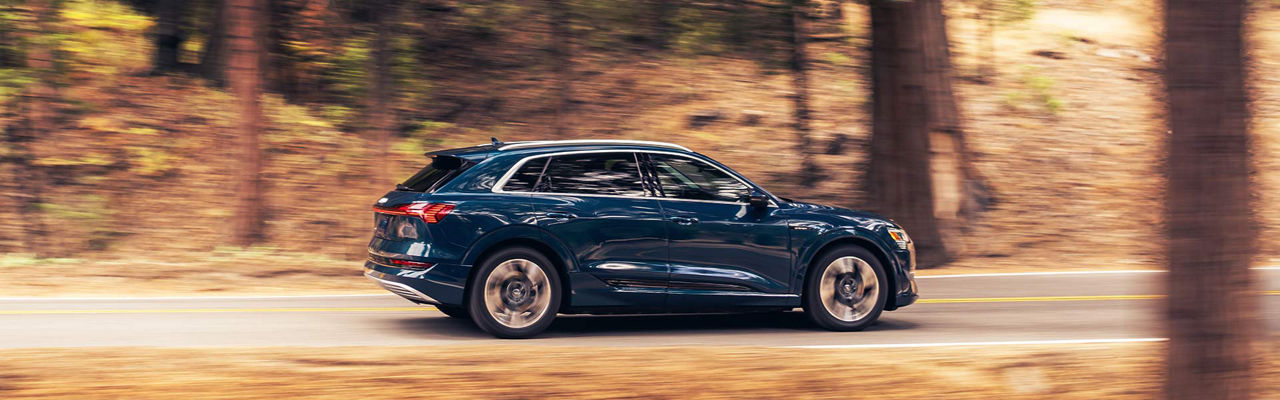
<point>497,187</point>
<point>542,143</point>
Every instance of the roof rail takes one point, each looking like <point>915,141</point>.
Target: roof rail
<point>548,143</point>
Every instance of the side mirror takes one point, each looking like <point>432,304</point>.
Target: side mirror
<point>758,200</point>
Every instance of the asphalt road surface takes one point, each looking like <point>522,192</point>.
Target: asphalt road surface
<point>954,310</point>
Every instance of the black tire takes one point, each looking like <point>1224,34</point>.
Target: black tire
<point>853,320</point>
<point>517,275</point>
<point>454,311</point>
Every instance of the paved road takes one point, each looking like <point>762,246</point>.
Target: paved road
<point>985,309</point>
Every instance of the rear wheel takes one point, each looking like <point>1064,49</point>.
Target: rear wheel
<point>846,290</point>
<point>515,294</point>
<point>454,311</point>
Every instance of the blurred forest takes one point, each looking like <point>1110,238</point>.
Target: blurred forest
<point>122,125</point>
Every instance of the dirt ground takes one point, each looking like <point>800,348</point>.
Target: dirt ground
<point>1116,371</point>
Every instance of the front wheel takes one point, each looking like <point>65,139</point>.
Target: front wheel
<point>515,294</point>
<point>846,290</point>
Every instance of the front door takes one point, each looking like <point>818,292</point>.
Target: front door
<point>722,251</point>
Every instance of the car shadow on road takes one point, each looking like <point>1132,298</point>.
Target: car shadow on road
<point>641,325</point>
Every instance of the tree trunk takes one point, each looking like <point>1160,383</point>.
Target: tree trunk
<point>212,61</point>
<point>244,71</point>
<point>800,97</point>
<point>168,36</point>
<point>562,62</point>
<point>1213,307</point>
<point>28,178</point>
<point>381,116</point>
<point>920,172</point>
<point>987,55</point>
<point>663,28</point>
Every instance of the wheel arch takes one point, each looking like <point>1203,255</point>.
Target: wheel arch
<point>521,236</point>
<point>852,239</point>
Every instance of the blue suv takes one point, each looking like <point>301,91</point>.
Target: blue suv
<point>510,234</point>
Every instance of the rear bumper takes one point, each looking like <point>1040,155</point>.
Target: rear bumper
<point>439,285</point>
<point>403,290</point>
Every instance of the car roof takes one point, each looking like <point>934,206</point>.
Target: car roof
<point>547,146</point>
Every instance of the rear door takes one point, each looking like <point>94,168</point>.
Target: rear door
<point>596,205</point>
<point>722,251</point>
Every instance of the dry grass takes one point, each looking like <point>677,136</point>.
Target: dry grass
<point>516,371</point>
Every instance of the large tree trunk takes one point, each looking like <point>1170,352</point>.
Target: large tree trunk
<point>919,171</point>
<point>28,178</point>
<point>1213,308</point>
<point>168,36</point>
<point>798,21</point>
<point>212,61</point>
<point>381,116</point>
<point>244,71</point>
<point>561,58</point>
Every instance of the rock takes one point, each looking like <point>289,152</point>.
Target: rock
<point>836,145</point>
<point>1124,53</point>
<point>1056,55</point>
<point>703,118</point>
<point>1109,53</point>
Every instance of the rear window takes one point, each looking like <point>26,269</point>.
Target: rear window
<point>440,171</point>
<point>527,177</point>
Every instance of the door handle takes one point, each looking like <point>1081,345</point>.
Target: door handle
<point>560,215</point>
<point>684,220</point>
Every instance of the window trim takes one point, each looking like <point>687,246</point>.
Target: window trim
<point>498,186</point>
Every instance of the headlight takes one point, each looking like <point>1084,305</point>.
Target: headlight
<point>900,237</point>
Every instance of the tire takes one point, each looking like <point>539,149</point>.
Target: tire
<point>454,311</point>
<point>515,294</point>
<point>844,271</point>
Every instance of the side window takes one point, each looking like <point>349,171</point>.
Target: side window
<point>526,178</point>
<point>686,178</point>
<point>593,173</point>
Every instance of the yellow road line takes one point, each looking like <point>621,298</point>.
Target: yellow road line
<point>214,310</point>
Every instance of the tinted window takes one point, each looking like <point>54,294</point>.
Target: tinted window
<point>593,173</point>
<point>527,176</point>
<point>441,169</point>
<point>686,178</point>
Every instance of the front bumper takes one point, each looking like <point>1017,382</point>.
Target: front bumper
<point>441,284</point>
<point>907,291</point>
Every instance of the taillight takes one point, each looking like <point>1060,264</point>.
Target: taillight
<point>429,212</point>
<point>411,264</point>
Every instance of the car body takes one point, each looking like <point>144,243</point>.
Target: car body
<point>626,226</point>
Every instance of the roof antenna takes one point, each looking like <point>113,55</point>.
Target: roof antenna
<point>495,141</point>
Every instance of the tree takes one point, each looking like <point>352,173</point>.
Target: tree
<point>168,36</point>
<point>797,18</point>
<point>37,106</point>
<point>244,72</point>
<point>919,172</point>
<point>212,59</point>
<point>381,116</point>
<point>562,62</point>
<point>1212,311</point>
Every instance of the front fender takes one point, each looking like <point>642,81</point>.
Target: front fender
<point>811,248</point>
